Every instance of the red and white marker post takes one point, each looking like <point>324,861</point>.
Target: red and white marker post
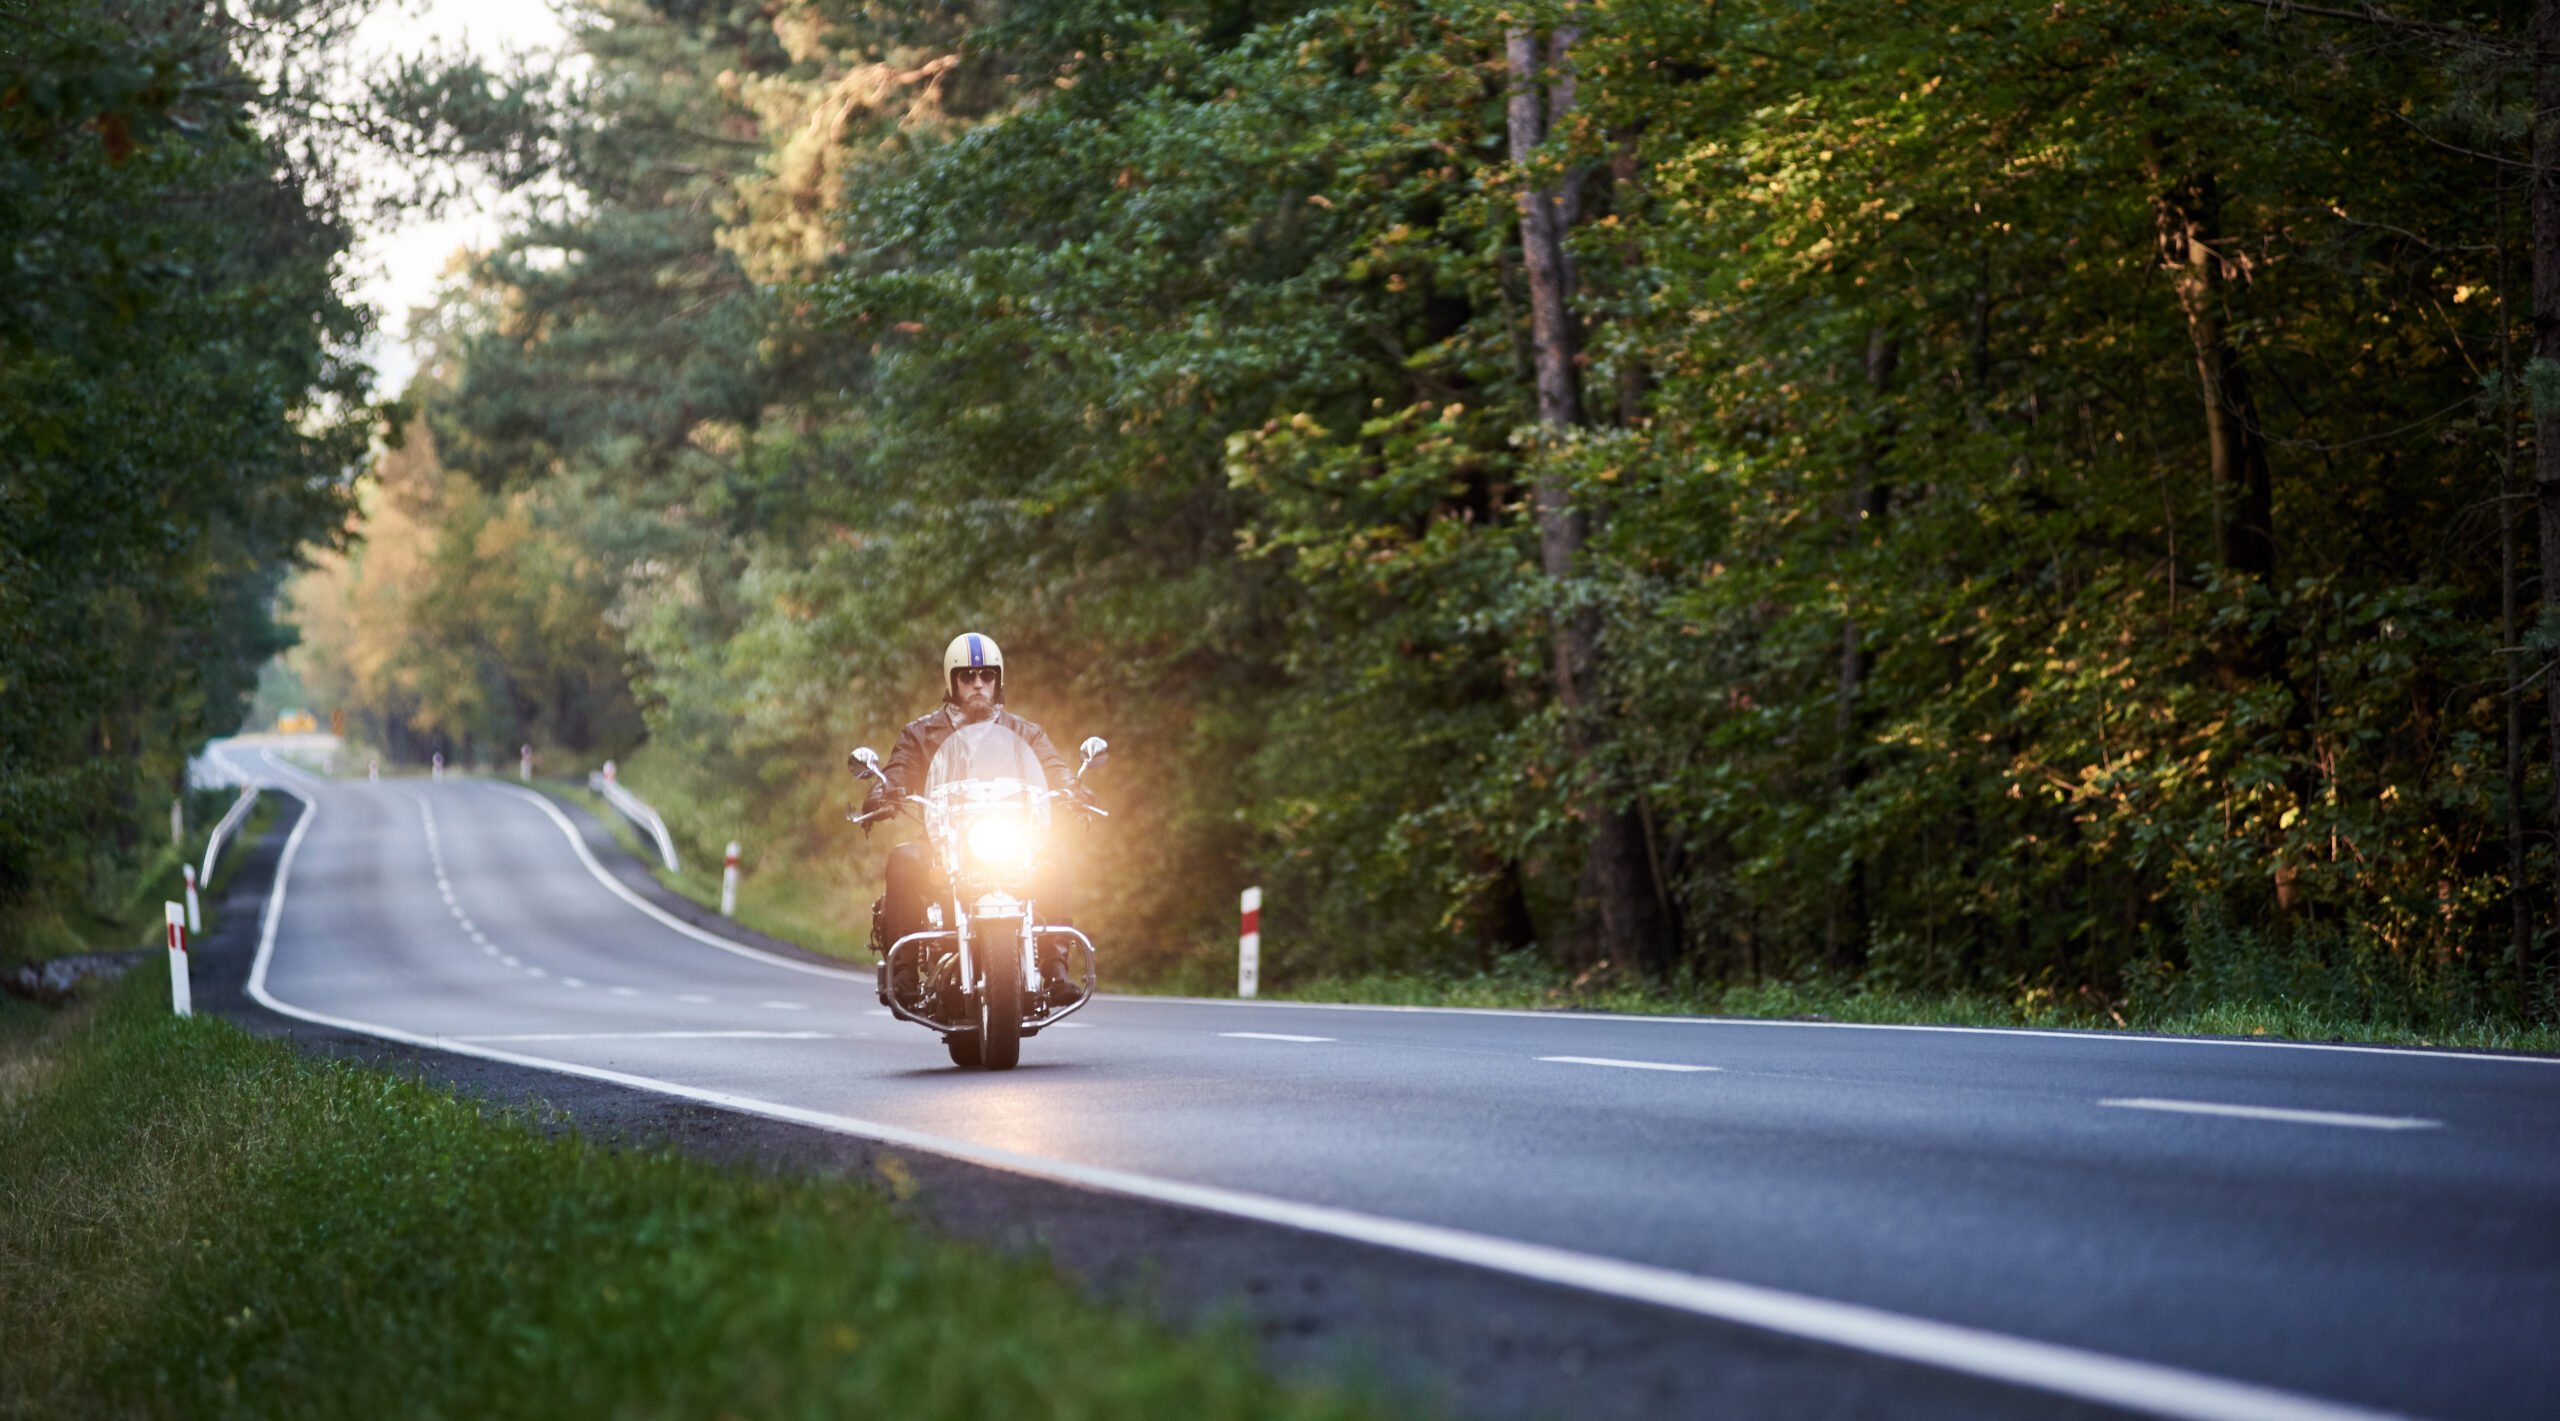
<point>729,882</point>
<point>1249,946</point>
<point>195,909</point>
<point>439,765</point>
<point>608,772</point>
<point>524,763</point>
<point>181,1000</point>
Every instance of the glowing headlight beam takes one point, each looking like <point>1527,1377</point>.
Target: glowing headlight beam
<point>999,841</point>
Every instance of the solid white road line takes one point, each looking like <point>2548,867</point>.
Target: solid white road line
<point>619,890</point>
<point>657,1036</point>
<point>2269,1112</point>
<point>1625,1065</point>
<point>2105,1038</point>
<point>1269,1036</point>
<point>2017,1361</point>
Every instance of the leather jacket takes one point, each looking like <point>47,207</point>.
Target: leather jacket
<point>913,754</point>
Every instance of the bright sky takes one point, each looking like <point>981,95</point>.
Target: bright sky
<point>397,268</point>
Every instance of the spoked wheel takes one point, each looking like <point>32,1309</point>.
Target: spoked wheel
<point>999,1039</point>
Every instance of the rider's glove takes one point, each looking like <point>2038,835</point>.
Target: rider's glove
<point>875,801</point>
<point>1082,794</point>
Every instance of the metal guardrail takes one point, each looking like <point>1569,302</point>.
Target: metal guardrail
<point>222,831</point>
<point>640,815</point>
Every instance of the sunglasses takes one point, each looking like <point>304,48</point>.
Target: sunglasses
<point>969,674</point>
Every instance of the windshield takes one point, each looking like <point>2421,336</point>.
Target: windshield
<point>983,762</point>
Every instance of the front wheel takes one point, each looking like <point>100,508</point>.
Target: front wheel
<point>999,1038</point>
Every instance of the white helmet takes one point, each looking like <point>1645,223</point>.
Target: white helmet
<point>972,649</point>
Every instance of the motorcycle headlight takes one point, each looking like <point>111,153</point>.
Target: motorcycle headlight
<point>1002,843</point>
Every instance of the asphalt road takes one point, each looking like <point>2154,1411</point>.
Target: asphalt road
<point>2192,1228</point>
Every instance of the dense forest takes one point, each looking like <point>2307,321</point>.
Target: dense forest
<point>2032,500</point>
<point>181,409</point>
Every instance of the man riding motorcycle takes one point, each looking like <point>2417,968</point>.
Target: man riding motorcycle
<point>972,692</point>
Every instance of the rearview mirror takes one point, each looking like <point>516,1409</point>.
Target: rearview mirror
<point>1096,750</point>
<point>864,761</point>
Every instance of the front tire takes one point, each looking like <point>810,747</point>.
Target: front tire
<point>999,1038</point>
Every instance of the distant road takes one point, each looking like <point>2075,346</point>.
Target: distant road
<point>2179,1227</point>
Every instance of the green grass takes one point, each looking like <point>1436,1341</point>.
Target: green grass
<point>195,1223</point>
<point>1521,982</point>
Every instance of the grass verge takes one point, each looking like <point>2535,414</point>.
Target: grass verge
<point>1523,983</point>
<point>790,902</point>
<point>197,1223</point>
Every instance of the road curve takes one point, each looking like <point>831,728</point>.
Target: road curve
<point>2191,1228</point>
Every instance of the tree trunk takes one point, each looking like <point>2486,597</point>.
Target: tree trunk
<point>1542,225</point>
<point>1619,906</point>
<point>2546,344</point>
<point>2189,216</point>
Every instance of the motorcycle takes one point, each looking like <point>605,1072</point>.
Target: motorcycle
<point>985,972</point>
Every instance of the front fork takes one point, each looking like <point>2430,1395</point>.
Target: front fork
<point>1034,981</point>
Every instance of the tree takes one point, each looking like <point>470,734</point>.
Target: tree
<point>179,405</point>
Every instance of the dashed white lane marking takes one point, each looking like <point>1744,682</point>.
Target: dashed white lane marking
<point>536,972</point>
<point>880,1011</point>
<point>1271,1036</point>
<point>1625,1065</point>
<point>625,991</point>
<point>572,982</point>
<point>2270,1112</point>
<point>1061,1026</point>
<point>693,998</point>
<point>784,1006</point>
<point>479,937</point>
<point>659,1036</point>
<point>510,961</point>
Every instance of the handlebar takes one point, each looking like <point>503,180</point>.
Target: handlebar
<point>900,799</point>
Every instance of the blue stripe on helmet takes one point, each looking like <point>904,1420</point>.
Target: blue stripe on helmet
<point>977,650</point>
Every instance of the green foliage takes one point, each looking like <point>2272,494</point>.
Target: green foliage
<point>178,413</point>
<point>202,1224</point>
<point>1184,347</point>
